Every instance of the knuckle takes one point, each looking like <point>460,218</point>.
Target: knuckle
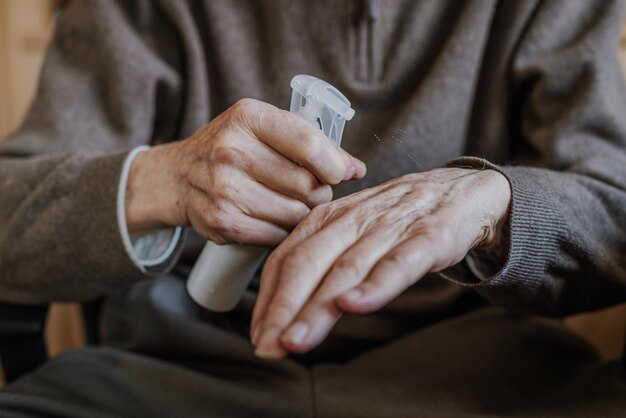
<point>300,211</point>
<point>244,111</point>
<point>224,190</point>
<point>310,146</point>
<point>227,192</point>
<point>399,267</point>
<point>282,309</point>
<point>305,227</point>
<point>243,106</point>
<point>372,286</point>
<point>219,218</point>
<point>396,261</point>
<point>436,192</point>
<point>327,169</point>
<point>323,194</point>
<point>321,212</point>
<point>298,258</point>
<point>334,173</point>
<point>348,267</point>
<point>304,182</point>
<point>307,187</point>
<point>348,211</point>
<point>224,154</point>
<point>325,308</point>
<point>426,194</point>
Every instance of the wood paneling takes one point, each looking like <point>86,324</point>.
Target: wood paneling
<point>25,28</point>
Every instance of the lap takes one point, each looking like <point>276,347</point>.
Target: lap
<point>486,363</point>
<point>104,382</point>
<point>164,357</point>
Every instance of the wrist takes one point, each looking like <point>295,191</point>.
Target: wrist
<point>497,238</point>
<point>151,199</point>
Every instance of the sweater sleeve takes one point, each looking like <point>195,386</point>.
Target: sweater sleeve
<point>104,83</point>
<point>567,231</point>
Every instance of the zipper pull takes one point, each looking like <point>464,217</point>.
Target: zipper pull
<point>372,9</point>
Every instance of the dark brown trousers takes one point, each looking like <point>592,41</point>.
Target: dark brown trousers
<point>164,357</point>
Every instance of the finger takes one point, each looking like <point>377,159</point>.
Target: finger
<point>301,271</point>
<point>313,328</point>
<point>252,231</point>
<point>356,168</point>
<point>314,321</point>
<point>309,226</point>
<point>296,139</point>
<point>258,201</point>
<point>303,268</point>
<point>286,262</point>
<point>230,225</point>
<point>271,269</point>
<point>394,273</point>
<point>279,173</point>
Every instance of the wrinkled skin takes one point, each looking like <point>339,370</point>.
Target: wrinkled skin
<point>247,177</point>
<point>358,253</point>
<point>255,172</point>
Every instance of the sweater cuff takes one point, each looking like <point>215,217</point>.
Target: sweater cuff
<point>533,237</point>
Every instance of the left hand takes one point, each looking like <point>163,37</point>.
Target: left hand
<point>358,253</point>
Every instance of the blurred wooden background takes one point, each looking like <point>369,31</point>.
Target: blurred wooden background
<point>25,29</point>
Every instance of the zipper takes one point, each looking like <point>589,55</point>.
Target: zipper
<point>371,10</point>
<point>365,58</point>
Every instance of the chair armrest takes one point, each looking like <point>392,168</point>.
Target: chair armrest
<point>22,345</point>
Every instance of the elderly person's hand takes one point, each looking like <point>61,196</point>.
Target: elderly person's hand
<point>249,177</point>
<point>358,253</point>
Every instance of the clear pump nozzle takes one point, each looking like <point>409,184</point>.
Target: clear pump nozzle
<point>321,104</point>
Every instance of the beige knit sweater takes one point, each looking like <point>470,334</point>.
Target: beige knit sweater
<point>532,86</point>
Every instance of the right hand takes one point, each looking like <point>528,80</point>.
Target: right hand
<point>247,177</point>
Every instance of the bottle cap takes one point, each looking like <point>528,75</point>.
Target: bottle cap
<point>321,104</point>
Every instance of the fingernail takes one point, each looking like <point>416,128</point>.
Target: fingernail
<point>268,347</point>
<point>296,333</point>
<point>268,354</point>
<point>353,295</point>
